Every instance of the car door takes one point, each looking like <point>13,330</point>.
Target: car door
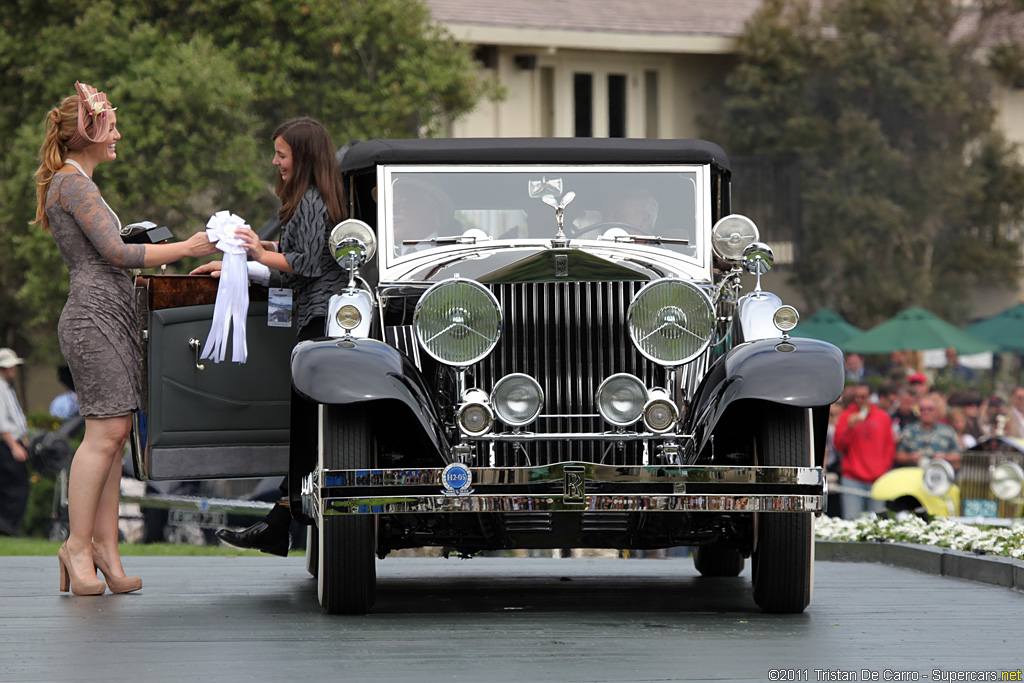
<point>206,420</point>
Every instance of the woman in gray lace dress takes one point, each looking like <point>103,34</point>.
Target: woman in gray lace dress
<point>98,328</point>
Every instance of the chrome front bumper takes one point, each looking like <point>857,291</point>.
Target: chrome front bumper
<point>566,487</point>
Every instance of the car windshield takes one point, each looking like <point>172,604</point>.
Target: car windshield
<point>428,208</point>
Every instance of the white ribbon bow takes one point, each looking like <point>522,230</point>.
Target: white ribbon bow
<point>233,291</point>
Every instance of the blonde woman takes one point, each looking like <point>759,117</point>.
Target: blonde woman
<point>98,328</point>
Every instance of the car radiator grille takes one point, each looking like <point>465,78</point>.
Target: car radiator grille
<point>976,475</point>
<point>569,336</point>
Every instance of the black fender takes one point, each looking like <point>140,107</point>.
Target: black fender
<point>363,371</point>
<point>799,372</point>
<point>368,371</point>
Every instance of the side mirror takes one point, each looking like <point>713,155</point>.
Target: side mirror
<point>353,244</point>
<point>758,258</point>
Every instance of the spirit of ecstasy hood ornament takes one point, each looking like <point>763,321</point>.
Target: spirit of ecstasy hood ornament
<point>559,206</point>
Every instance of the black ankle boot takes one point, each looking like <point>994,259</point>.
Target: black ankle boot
<point>269,535</point>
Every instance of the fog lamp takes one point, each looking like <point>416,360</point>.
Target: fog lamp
<point>517,399</point>
<point>621,399</point>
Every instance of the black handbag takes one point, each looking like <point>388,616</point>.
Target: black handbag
<point>145,232</point>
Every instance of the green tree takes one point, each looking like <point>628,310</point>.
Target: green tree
<point>365,68</point>
<point>184,111</point>
<point>907,187</point>
<point>199,88</point>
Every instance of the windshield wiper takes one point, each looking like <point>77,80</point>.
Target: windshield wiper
<point>443,239</point>
<point>644,239</point>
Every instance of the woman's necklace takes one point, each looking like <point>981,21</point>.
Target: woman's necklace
<point>76,165</point>
<point>82,171</point>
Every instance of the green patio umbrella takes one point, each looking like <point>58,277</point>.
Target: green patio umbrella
<point>916,329</point>
<point>1005,329</point>
<point>827,325</point>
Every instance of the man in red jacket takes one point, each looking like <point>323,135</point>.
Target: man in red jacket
<point>864,440</point>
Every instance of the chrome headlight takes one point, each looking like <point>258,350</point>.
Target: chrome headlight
<point>475,416</point>
<point>621,399</point>
<point>671,321</point>
<point>517,399</point>
<point>731,235</point>
<point>1007,480</point>
<point>660,412</point>
<point>458,321</point>
<point>938,478</point>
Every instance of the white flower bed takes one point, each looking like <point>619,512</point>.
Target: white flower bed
<point>1008,542</point>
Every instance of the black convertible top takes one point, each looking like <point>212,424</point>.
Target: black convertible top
<point>367,155</point>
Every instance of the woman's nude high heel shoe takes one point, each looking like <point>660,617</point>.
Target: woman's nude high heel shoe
<point>69,579</point>
<point>117,584</point>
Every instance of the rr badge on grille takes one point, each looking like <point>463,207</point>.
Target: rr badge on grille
<point>574,490</point>
<point>561,265</point>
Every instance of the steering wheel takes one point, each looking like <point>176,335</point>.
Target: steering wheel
<point>608,225</point>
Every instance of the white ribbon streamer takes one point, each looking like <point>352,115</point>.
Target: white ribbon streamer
<point>232,304</point>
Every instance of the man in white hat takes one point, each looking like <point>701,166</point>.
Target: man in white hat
<point>14,483</point>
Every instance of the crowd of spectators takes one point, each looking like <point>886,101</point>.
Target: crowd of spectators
<point>895,417</point>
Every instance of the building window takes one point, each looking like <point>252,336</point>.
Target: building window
<point>651,104</point>
<point>617,105</point>
<point>583,100</point>
<point>547,101</point>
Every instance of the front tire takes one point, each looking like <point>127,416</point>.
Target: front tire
<point>783,561</point>
<point>347,574</point>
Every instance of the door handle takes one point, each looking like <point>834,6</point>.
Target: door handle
<point>196,345</point>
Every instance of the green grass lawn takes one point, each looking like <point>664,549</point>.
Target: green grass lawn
<point>37,546</point>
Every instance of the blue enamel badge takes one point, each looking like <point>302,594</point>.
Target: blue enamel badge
<point>457,479</point>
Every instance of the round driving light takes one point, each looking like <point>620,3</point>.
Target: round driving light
<point>938,477</point>
<point>1007,480</point>
<point>671,321</point>
<point>517,399</point>
<point>621,399</point>
<point>786,318</point>
<point>732,234</point>
<point>349,317</point>
<point>660,413</point>
<point>458,321</point>
<point>475,416</point>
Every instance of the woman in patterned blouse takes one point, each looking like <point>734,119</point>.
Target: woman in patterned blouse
<point>312,202</point>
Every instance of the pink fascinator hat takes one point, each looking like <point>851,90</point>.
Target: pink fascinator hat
<point>93,112</point>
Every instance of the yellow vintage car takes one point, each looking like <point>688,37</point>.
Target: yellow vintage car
<point>987,488</point>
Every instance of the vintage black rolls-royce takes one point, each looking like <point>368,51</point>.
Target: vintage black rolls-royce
<point>543,344</point>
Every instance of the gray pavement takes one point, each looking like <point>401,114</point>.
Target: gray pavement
<point>515,619</point>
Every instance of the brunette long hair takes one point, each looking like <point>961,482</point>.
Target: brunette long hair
<point>313,165</point>
<point>61,124</point>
